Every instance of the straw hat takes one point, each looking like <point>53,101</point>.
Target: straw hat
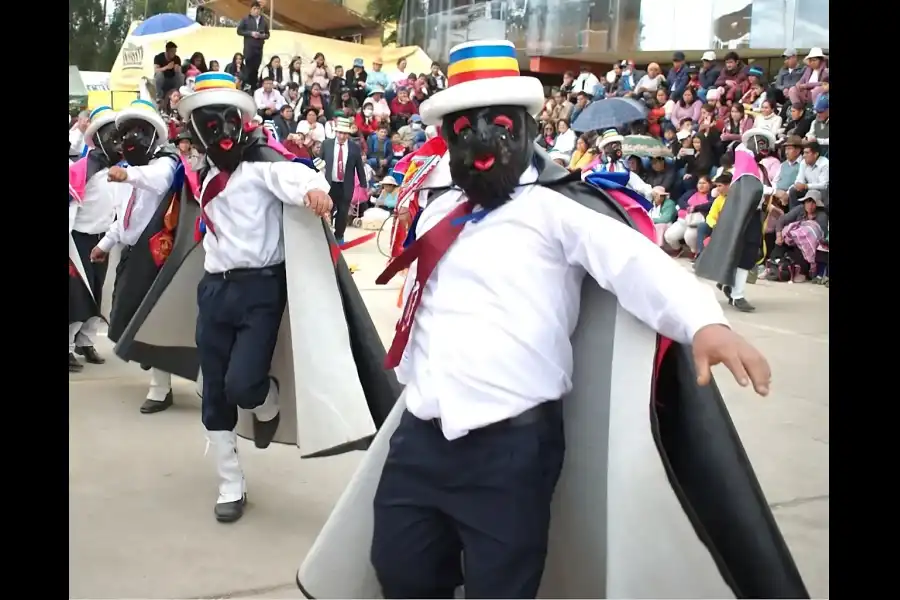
<point>389,181</point>
<point>215,89</point>
<point>100,116</point>
<point>144,110</point>
<point>483,73</point>
<point>609,136</point>
<point>342,125</point>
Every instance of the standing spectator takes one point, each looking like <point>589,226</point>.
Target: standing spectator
<point>319,72</point>
<point>732,78</point>
<point>236,66</point>
<point>268,101</point>
<point>343,164</point>
<point>295,71</point>
<point>77,145</point>
<point>678,76</point>
<point>437,81</point>
<point>799,122</point>
<point>788,76</point>
<point>337,83</point>
<point>377,78</point>
<point>167,71</point>
<point>809,87</point>
<point>709,73</point>
<point>813,175</point>
<point>254,28</point>
<point>586,82</point>
<point>356,80</point>
<point>276,73</point>
<point>819,132</point>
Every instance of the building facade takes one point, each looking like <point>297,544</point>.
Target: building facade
<point>602,31</point>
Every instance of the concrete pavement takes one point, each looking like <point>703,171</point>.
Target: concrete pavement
<point>141,491</point>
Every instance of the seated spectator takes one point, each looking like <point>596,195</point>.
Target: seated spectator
<point>381,153</point>
<point>813,175</point>
<point>296,143</point>
<point>337,83</point>
<point>344,102</point>
<point>547,137</point>
<point>696,161</point>
<point>709,73</point>
<point>276,73</point>
<point>648,84</point>
<point>583,154</point>
<point>398,148</point>
<point>318,73</point>
<point>798,234</point>
<point>694,81</point>
<point>294,99</point>
<point>284,122</point>
<point>664,212</point>
<point>562,108</point>
<point>774,211</point>
<point>819,132</point>
<point>636,166</point>
<point>726,165</point>
<point>214,66</point>
<point>236,66</point>
<point>268,100</point>
<point>670,138</point>
<point>712,210</point>
<point>379,104</point>
<point>788,76</point>
<point>799,122</point>
<point>661,174</point>
<point>295,72</point>
<point>413,133</point>
<point>790,168</point>
<point>388,197</point>
<point>687,108</point>
<point>734,127</point>
<point>684,229</point>
<point>768,119</point>
<point>195,159</point>
<point>314,98</point>
<point>629,79</point>
<point>366,120</point>
<point>809,87</point>
<point>732,81</point>
<point>195,66</point>
<point>753,99</point>
<point>311,127</point>
<point>402,108</point>
<point>437,81</point>
<point>586,81</point>
<point>169,113</point>
<point>659,114</point>
<point>564,144</point>
<point>420,91</point>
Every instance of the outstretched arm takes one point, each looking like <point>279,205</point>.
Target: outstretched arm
<point>156,177</point>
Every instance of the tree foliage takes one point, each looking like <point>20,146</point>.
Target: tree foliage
<point>385,11</point>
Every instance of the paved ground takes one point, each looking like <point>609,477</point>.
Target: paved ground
<point>141,492</point>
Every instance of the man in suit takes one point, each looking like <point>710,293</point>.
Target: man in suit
<point>254,28</point>
<point>342,160</point>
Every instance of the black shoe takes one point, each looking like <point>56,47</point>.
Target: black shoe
<point>229,512</point>
<point>726,289</point>
<point>74,365</point>
<point>145,367</point>
<point>742,305</point>
<point>90,355</point>
<point>152,406</point>
<point>264,431</point>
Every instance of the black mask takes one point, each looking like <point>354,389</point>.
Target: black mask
<point>107,139</point>
<point>219,131</point>
<point>139,141</point>
<point>759,146</point>
<point>613,151</point>
<point>489,149</point>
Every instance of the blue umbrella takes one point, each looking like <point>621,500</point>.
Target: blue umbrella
<point>610,113</point>
<point>164,25</point>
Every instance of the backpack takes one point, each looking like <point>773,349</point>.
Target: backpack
<point>782,268</point>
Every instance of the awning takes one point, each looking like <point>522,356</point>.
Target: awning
<point>76,85</point>
<point>308,16</point>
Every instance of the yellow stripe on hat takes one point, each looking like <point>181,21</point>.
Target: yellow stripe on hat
<point>217,84</point>
<point>483,64</point>
<point>143,105</point>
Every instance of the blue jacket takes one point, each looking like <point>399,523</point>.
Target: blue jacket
<point>677,80</point>
<point>385,152</point>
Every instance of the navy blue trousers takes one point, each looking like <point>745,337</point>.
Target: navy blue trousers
<point>237,328</point>
<point>475,510</point>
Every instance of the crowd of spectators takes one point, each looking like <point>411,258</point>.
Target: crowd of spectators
<point>700,112</point>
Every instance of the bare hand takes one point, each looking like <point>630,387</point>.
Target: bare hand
<point>779,239</point>
<point>318,202</point>
<point>255,34</point>
<point>117,174</point>
<point>718,344</point>
<point>800,187</point>
<point>98,255</point>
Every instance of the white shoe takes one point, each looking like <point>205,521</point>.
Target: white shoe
<point>232,485</point>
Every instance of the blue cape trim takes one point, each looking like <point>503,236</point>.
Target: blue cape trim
<point>617,180</point>
<point>307,162</point>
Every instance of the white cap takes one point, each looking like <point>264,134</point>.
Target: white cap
<point>708,55</point>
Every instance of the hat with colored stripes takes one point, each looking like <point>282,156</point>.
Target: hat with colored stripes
<point>483,73</point>
<point>100,116</point>
<point>144,110</point>
<point>217,89</point>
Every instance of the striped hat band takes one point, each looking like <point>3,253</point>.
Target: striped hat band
<point>482,60</point>
<point>214,80</point>
<point>143,105</point>
<point>100,111</point>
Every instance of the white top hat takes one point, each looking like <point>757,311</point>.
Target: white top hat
<point>145,111</point>
<point>217,89</point>
<point>758,132</point>
<point>484,73</point>
<point>100,116</point>
<point>609,136</point>
<point>815,53</point>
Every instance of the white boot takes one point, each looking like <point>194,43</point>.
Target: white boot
<point>232,486</point>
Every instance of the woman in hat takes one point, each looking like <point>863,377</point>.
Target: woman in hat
<point>380,108</point>
<point>356,80</point>
<point>814,75</point>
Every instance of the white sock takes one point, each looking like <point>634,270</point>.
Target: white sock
<point>160,384</point>
<point>268,409</point>
<point>740,284</point>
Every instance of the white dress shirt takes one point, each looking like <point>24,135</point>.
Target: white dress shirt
<point>816,176</point>
<point>263,99</point>
<point>247,215</point>
<point>334,167</point>
<point>491,337</point>
<point>150,185</point>
<point>99,208</point>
